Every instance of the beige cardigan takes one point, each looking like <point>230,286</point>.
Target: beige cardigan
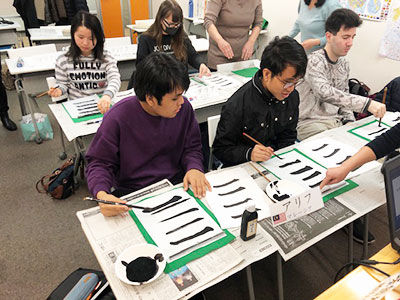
<point>233,19</point>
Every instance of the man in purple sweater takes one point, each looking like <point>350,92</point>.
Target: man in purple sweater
<point>147,138</point>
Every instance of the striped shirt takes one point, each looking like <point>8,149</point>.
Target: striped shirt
<point>88,76</point>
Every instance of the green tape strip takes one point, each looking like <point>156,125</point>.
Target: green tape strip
<point>176,264</point>
<point>351,184</point>
<point>248,72</point>
<point>363,137</point>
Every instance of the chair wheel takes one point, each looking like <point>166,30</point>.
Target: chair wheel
<point>39,140</point>
<point>62,155</point>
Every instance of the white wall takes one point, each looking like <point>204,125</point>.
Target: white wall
<point>155,4</point>
<point>6,8</point>
<point>365,62</point>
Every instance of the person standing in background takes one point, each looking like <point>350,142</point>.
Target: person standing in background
<point>228,23</point>
<point>5,119</point>
<point>310,22</point>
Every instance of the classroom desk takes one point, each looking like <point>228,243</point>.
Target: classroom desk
<point>140,26</point>
<point>36,68</point>
<point>8,34</point>
<point>58,35</point>
<point>203,108</point>
<point>113,237</point>
<point>33,74</point>
<point>136,29</point>
<point>361,281</point>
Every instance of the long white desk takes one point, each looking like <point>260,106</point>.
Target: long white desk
<point>117,233</point>
<point>58,35</point>
<point>37,68</point>
<point>209,104</point>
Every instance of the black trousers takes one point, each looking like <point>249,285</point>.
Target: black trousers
<point>3,97</point>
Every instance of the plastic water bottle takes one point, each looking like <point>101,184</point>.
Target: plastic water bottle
<point>20,62</point>
<point>190,8</point>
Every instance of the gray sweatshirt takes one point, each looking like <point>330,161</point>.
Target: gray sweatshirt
<point>324,94</point>
<point>88,76</point>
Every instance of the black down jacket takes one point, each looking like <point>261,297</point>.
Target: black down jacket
<point>253,110</point>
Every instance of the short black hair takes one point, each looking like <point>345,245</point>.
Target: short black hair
<point>318,4</point>
<point>342,17</point>
<point>159,74</point>
<point>283,52</point>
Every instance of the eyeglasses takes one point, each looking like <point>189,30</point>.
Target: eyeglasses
<point>173,25</point>
<point>288,85</point>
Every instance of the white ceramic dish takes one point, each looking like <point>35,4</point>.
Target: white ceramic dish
<point>133,252</point>
<point>279,190</point>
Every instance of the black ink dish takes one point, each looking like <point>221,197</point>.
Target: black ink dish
<point>143,268</point>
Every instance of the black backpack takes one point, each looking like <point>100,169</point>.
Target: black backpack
<point>357,87</point>
<point>60,183</point>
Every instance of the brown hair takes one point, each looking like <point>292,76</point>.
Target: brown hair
<point>155,31</point>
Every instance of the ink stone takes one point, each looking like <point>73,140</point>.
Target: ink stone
<point>143,268</point>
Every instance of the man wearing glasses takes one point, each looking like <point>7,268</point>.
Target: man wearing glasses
<point>266,108</point>
<point>325,99</point>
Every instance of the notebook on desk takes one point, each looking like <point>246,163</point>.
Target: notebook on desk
<point>391,173</point>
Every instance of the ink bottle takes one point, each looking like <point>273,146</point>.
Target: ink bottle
<point>20,62</point>
<point>248,228</point>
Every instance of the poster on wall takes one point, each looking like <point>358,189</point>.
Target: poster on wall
<point>376,10</point>
<point>390,43</point>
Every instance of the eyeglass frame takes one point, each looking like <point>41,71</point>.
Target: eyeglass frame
<point>172,25</point>
<point>288,85</point>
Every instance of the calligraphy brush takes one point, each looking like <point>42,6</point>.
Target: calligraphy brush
<point>145,209</point>
<point>258,143</point>
<point>45,92</point>
<point>383,102</point>
<point>259,172</point>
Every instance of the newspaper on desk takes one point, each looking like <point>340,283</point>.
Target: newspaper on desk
<point>73,130</point>
<point>108,237</point>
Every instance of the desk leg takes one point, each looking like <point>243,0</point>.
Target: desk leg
<point>22,104</point>
<point>19,89</point>
<point>250,283</point>
<point>365,244</point>
<point>38,139</point>
<point>279,274</point>
<point>350,246</point>
<point>80,150</point>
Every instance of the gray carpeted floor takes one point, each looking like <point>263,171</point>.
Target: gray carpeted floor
<point>41,240</point>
